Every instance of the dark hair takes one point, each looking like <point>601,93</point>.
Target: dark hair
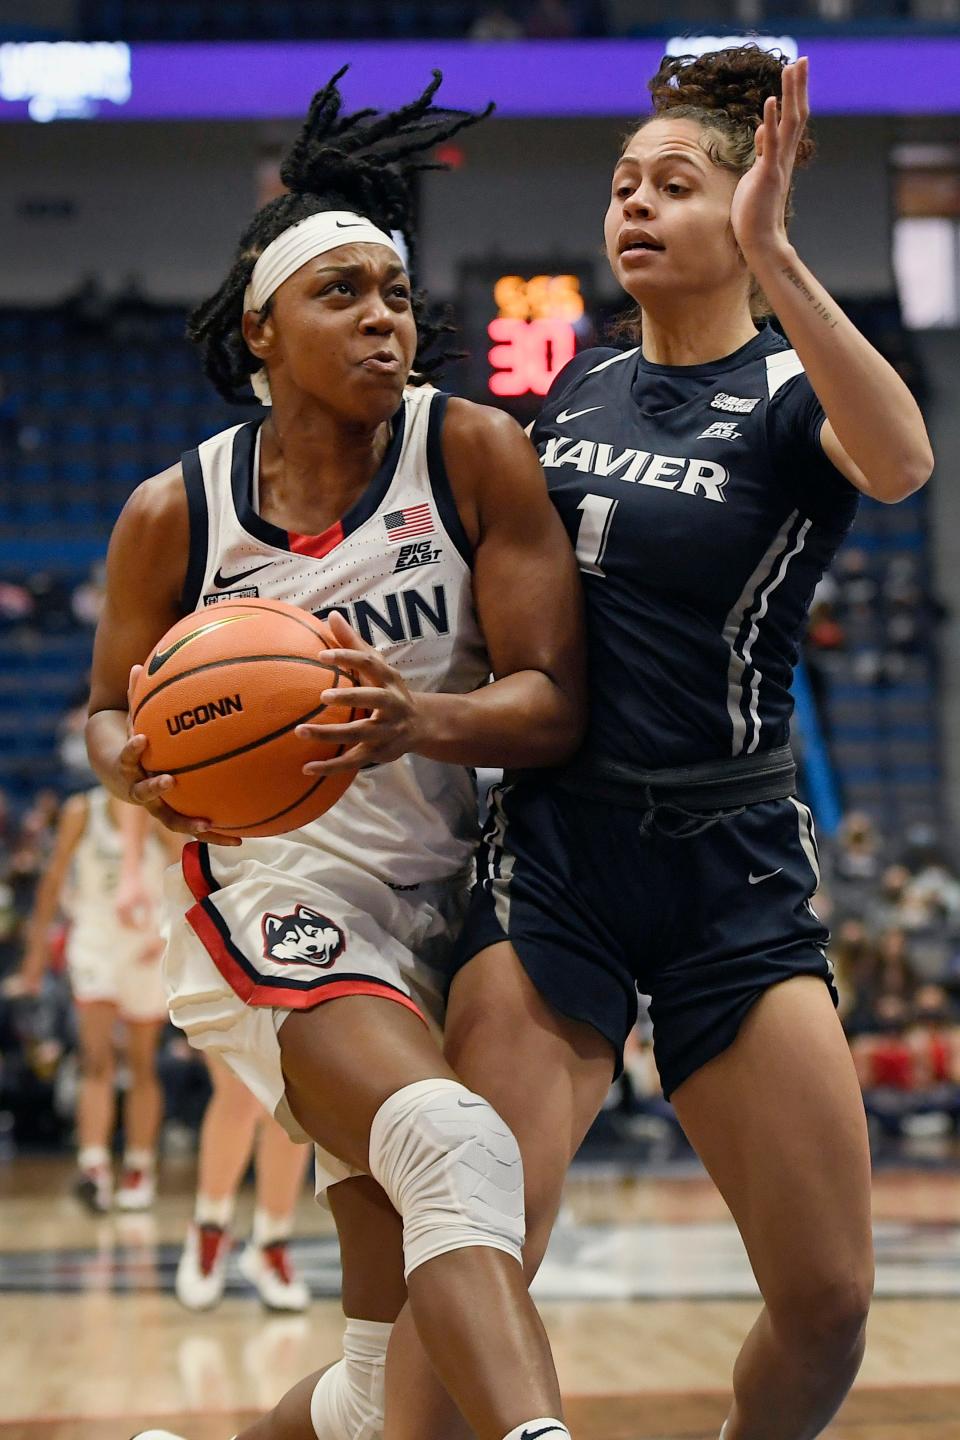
<point>724,92</point>
<point>364,162</point>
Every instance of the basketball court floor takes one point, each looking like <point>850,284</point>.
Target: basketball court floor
<point>646,1295</point>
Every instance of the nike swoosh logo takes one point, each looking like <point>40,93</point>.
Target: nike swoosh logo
<point>162,656</point>
<point>547,1430</point>
<point>472,1104</point>
<point>220,580</point>
<point>566,415</point>
<point>756,879</point>
<point>349,224</point>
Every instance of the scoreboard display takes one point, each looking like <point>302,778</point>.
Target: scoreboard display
<point>522,323</point>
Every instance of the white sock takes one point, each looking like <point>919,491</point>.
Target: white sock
<point>208,1211</point>
<point>530,1429</point>
<point>347,1401</point>
<point>140,1160</point>
<point>93,1157</point>
<point>269,1229</point>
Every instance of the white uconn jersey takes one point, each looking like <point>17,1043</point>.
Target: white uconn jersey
<point>397,566</point>
<point>95,876</point>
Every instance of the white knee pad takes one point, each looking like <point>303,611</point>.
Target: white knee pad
<point>452,1169</point>
<point>347,1401</point>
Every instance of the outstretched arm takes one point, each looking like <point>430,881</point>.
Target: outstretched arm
<point>874,433</point>
<point>36,958</point>
<point>134,902</point>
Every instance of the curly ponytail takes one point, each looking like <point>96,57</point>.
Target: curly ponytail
<point>723,91</point>
<point>365,162</point>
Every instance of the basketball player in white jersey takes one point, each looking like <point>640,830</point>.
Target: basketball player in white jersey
<point>235,1130</point>
<point>309,962</point>
<point>114,972</point>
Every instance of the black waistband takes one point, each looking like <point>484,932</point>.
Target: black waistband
<point>714,785</point>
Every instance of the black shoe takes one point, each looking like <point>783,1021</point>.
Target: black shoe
<point>93,1188</point>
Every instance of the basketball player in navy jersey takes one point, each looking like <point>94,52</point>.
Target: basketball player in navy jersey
<point>316,505</point>
<point>706,477</point>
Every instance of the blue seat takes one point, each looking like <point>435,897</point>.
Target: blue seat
<point>77,432</point>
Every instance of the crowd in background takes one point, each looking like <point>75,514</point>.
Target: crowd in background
<point>483,20</point>
<point>876,609</point>
<point>566,19</point>
<point>38,1039</point>
<point>893,904</point>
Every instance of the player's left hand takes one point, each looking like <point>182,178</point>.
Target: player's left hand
<point>392,725</point>
<point>132,903</point>
<point>760,199</point>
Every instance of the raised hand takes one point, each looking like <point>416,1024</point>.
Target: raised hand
<point>760,199</point>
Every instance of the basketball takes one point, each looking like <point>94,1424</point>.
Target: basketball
<point>219,700</point>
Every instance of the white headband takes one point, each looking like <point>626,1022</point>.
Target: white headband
<point>293,248</point>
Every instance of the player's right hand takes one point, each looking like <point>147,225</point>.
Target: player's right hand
<point>148,790</point>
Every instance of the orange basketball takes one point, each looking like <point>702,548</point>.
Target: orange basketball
<point>219,699</point>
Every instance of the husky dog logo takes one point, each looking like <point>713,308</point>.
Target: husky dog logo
<point>305,936</point>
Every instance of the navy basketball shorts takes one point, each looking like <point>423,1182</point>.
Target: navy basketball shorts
<point>597,907</point>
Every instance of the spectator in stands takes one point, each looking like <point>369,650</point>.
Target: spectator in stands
<point>16,603</point>
<point>882,1055</point>
<point>935,1038</point>
<point>132,317</point>
<point>23,867</point>
<point>86,602</point>
<point>9,923</point>
<point>495,23</point>
<point>88,310</point>
<point>40,821</point>
<point>853,956</point>
<point>895,975</point>
<point>6,826</point>
<point>934,889</point>
<point>853,575</point>
<point>51,613</point>
<point>825,631</point>
<point>909,1063</point>
<point>887,903</point>
<point>72,749</point>
<point>858,854</point>
<point>550,20</point>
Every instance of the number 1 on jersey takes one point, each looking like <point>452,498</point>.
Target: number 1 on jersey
<point>594,531</point>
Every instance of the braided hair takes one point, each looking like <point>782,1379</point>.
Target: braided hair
<point>364,162</point>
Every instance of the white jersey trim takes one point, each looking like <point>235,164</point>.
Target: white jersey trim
<point>781,367</point>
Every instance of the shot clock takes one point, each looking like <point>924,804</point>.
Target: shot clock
<point>523,322</point>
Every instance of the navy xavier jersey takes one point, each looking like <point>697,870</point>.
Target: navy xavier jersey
<point>703,512</point>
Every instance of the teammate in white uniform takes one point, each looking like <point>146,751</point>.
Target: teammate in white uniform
<point>114,972</point>
<point>236,1129</point>
<point>309,962</point>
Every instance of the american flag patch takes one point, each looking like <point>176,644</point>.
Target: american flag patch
<point>414,520</point>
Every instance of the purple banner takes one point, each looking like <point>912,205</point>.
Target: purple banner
<point>529,78</point>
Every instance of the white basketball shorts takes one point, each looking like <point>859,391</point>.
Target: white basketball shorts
<point>251,941</point>
<point>119,967</point>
